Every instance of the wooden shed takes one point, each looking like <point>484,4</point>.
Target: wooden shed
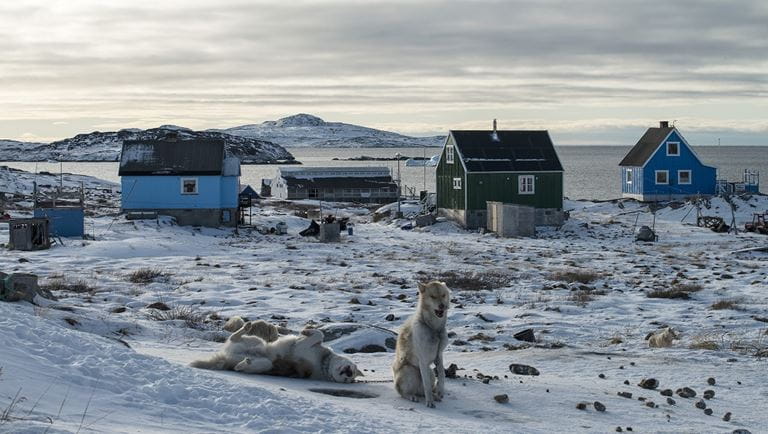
<point>518,167</point>
<point>29,234</point>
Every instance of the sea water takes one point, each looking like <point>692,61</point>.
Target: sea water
<point>591,172</point>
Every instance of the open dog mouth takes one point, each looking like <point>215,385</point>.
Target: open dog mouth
<point>439,312</point>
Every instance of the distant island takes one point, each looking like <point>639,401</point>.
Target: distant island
<point>263,143</point>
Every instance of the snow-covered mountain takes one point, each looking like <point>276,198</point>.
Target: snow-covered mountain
<point>303,130</point>
<point>99,146</point>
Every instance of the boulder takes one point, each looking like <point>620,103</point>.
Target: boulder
<point>21,287</point>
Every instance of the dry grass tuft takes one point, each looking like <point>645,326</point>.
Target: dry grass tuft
<point>581,298</point>
<point>681,291</point>
<point>192,317</point>
<point>471,281</point>
<point>726,304</point>
<point>574,275</point>
<point>146,275</point>
<point>60,284</point>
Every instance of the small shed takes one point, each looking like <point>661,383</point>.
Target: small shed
<point>510,166</point>
<point>65,221</point>
<point>248,191</point>
<point>663,166</point>
<point>335,184</point>
<point>29,234</point>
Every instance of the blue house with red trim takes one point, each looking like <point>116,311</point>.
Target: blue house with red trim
<point>663,166</point>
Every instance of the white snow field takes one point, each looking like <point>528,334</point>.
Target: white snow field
<point>99,360</point>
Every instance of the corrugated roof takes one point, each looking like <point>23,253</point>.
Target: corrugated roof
<point>172,157</point>
<point>642,151</point>
<point>341,182</point>
<point>506,151</point>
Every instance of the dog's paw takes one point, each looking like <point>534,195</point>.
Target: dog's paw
<point>438,396</point>
<point>414,398</point>
<point>430,404</point>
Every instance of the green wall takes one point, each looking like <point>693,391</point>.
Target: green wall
<point>447,196</point>
<point>502,187</point>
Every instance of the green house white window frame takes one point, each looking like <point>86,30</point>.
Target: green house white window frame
<point>449,154</point>
<point>457,183</point>
<point>687,173</point>
<point>665,174</point>
<point>189,185</point>
<point>673,149</point>
<point>526,184</point>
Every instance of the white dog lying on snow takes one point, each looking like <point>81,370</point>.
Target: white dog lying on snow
<point>248,351</point>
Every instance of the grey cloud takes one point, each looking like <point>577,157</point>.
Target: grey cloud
<point>372,56</point>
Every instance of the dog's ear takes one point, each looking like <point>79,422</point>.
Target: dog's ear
<point>422,287</point>
<point>358,373</point>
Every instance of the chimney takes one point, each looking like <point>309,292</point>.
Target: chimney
<point>494,135</point>
<point>494,125</point>
<point>664,124</point>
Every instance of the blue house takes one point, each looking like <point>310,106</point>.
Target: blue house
<point>663,166</point>
<point>194,180</point>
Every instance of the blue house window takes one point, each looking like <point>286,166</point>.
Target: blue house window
<point>684,177</point>
<point>188,185</point>
<point>662,177</point>
<point>673,149</point>
<point>629,176</point>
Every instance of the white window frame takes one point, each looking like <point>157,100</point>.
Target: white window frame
<point>690,176</point>
<point>526,184</point>
<point>457,183</point>
<point>656,177</point>
<point>678,149</point>
<point>449,154</point>
<point>197,185</point>
<point>628,176</point>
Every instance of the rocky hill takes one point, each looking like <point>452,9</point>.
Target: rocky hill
<point>303,130</point>
<point>100,146</point>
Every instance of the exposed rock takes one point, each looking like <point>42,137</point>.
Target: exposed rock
<point>523,369</point>
<point>158,305</point>
<point>525,335</point>
<point>711,381</point>
<point>599,406</point>
<point>727,417</point>
<point>625,395</point>
<point>390,317</point>
<point>686,392</point>
<point>21,287</point>
<point>708,411</point>
<point>671,401</point>
<point>666,392</point>
<point>709,394</point>
<point>649,383</point>
<point>700,404</point>
<point>581,406</point>
<point>502,399</point>
<point>451,371</point>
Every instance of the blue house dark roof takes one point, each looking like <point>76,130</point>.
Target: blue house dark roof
<point>173,157</point>
<point>506,151</point>
<point>645,147</point>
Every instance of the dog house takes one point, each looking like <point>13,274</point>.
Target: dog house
<point>29,234</point>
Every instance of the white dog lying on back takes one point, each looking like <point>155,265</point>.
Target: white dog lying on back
<point>301,356</point>
<point>421,342</point>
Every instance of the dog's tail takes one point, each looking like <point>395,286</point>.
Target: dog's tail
<point>216,362</point>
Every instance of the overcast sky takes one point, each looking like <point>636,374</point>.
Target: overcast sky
<point>592,72</point>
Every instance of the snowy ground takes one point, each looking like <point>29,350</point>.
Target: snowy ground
<point>98,360</point>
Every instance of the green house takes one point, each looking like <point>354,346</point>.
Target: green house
<point>517,167</point>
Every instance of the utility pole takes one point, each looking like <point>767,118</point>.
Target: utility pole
<point>399,186</point>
